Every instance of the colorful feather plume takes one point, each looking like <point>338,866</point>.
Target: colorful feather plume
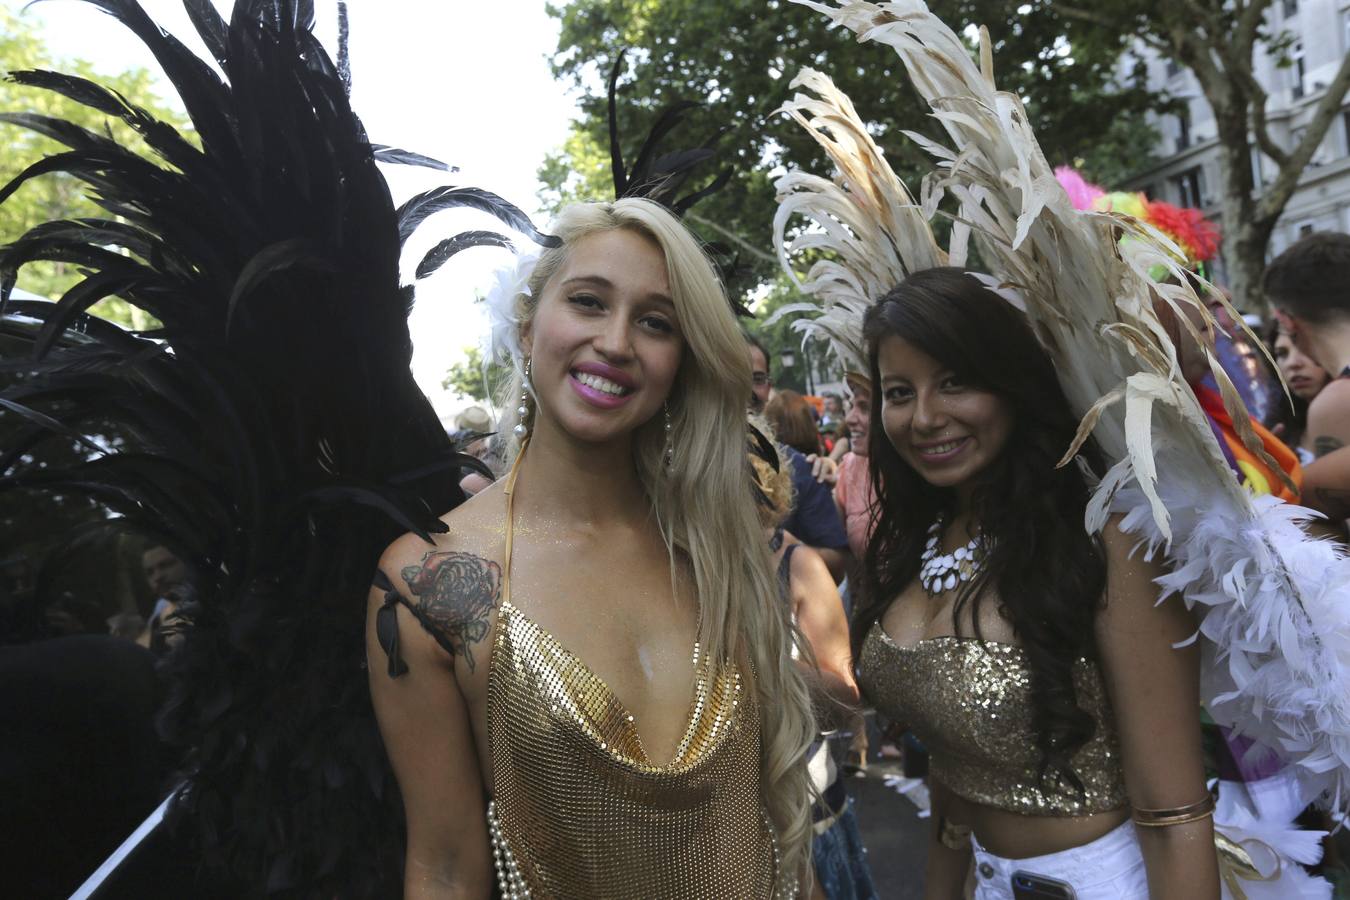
<point>1188,228</point>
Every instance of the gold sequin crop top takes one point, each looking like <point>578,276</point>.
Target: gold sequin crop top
<point>578,808</point>
<point>969,702</point>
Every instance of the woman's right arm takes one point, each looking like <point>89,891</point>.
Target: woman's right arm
<point>425,724</point>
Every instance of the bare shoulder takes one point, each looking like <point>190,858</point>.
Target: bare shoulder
<point>1329,417</point>
<point>1133,603</point>
<point>1122,546</point>
<point>452,586</point>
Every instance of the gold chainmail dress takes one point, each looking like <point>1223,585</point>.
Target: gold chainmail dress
<point>969,701</point>
<point>580,812</point>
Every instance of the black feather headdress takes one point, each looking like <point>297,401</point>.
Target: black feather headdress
<point>660,175</point>
<point>277,439</point>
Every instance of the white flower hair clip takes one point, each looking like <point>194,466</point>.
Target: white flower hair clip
<point>503,338</point>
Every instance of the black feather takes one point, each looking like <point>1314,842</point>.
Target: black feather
<point>407,158</point>
<point>416,210</point>
<point>268,429</point>
<point>661,175</point>
<point>447,248</point>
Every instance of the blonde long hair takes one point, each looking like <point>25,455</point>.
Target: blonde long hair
<point>740,612</point>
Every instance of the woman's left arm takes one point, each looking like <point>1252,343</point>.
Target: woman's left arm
<point>1155,695</point>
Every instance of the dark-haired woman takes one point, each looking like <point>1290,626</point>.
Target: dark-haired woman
<point>1306,380</point>
<point>1028,656</point>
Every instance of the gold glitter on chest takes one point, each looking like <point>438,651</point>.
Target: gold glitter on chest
<point>579,810</point>
<point>969,702</point>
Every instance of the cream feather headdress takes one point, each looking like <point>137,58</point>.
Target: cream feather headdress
<point>1274,605</point>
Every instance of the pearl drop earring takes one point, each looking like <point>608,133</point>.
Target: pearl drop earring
<point>523,410</point>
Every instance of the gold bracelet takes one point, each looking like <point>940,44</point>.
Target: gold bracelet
<point>953,836</point>
<point>1181,815</point>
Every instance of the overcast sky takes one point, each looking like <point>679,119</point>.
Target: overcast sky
<point>465,81</point>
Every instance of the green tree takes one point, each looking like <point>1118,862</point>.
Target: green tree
<point>470,379</point>
<point>738,57</point>
<point>59,196</point>
<point>1218,40</point>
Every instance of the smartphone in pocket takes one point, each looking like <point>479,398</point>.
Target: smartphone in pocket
<point>1027,886</point>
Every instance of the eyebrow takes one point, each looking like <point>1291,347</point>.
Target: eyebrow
<point>601,281</point>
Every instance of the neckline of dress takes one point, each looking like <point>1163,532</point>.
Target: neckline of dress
<point>704,673</point>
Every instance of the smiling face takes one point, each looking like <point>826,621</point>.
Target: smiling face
<point>1304,377</point>
<point>858,420</point>
<point>945,430</point>
<point>604,343</point>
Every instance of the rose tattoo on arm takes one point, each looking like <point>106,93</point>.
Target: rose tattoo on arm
<point>456,593</point>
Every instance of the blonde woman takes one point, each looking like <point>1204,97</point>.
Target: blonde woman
<point>593,694</point>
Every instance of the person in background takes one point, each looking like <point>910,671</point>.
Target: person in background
<point>171,585</point>
<point>1305,379</point>
<point>814,519</point>
<point>475,421</point>
<point>789,415</point>
<point>833,412</point>
<point>761,388</point>
<point>1309,287</point>
<point>837,851</point>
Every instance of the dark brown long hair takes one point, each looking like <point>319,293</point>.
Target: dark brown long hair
<point>1048,574</point>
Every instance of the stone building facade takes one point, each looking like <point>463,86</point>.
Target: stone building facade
<point>1186,169</point>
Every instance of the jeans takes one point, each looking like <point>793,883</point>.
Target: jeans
<point>841,860</point>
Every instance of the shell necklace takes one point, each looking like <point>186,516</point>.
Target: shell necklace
<point>940,572</point>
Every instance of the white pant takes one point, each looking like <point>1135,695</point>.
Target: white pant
<point>1109,868</point>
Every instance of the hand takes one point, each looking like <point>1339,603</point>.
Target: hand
<point>823,469</point>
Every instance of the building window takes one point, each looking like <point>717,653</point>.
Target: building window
<point>1258,177</point>
<point>1345,120</point>
<point>1299,69</point>
<point>1173,68</point>
<point>1183,129</point>
<point>1290,7</point>
<point>1187,186</point>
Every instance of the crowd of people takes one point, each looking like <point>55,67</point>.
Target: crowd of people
<point>598,647</point>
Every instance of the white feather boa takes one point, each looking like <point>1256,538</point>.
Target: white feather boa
<point>1274,611</point>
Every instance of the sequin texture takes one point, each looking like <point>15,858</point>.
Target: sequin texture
<point>579,810</point>
<point>969,702</point>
